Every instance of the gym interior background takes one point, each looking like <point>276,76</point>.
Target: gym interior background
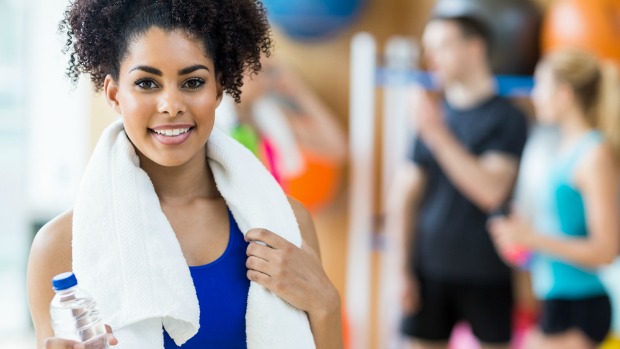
<point>48,128</point>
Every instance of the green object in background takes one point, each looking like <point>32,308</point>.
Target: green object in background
<point>246,135</point>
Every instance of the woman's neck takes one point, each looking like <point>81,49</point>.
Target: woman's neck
<point>182,184</point>
<point>573,126</point>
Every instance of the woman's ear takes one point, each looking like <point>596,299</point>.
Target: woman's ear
<point>220,90</point>
<point>110,89</point>
<point>565,94</point>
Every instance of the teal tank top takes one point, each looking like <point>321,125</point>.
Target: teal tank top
<point>561,213</point>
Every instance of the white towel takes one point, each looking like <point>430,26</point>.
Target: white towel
<point>126,254</point>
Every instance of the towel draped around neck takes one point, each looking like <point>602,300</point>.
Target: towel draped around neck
<point>126,254</point>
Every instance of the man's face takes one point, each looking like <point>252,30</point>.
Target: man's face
<point>448,53</point>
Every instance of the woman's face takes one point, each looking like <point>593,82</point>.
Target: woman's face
<point>545,96</point>
<point>166,93</point>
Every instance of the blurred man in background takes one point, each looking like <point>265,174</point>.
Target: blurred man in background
<point>461,169</point>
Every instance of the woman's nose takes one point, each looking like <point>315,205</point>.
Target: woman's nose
<point>171,103</point>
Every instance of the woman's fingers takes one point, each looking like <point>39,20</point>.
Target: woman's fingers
<point>294,274</point>
<point>57,343</point>
<point>260,278</point>
<point>258,264</point>
<point>111,339</point>
<point>261,251</point>
<point>498,229</point>
<point>263,235</point>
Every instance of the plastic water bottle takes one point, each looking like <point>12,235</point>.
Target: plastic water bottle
<point>74,314</point>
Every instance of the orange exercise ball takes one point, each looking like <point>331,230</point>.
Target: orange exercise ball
<point>592,25</point>
<point>318,183</point>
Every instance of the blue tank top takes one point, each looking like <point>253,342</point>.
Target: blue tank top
<point>222,289</point>
<point>561,213</point>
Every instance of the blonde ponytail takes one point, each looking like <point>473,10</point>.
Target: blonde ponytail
<point>608,106</point>
<point>596,86</point>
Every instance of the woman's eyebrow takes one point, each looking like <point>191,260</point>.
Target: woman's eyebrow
<point>192,69</point>
<point>158,72</point>
<point>147,69</point>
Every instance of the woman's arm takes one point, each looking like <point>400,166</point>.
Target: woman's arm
<point>297,276</point>
<point>50,255</point>
<point>325,315</point>
<point>597,178</point>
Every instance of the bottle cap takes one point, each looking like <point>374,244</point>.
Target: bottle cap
<point>64,281</point>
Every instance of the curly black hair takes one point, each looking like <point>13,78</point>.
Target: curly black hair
<point>98,32</point>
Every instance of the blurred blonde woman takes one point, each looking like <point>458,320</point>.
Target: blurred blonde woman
<point>575,228</point>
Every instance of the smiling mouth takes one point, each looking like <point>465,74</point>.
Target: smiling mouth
<point>172,132</point>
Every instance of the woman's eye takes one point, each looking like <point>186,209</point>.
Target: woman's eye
<point>193,83</point>
<point>146,84</point>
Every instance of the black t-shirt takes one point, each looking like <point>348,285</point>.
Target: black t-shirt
<point>452,240</point>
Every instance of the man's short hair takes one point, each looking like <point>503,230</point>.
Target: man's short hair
<point>471,27</point>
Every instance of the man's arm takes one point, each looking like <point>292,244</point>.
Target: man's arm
<point>401,211</point>
<point>486,180</point>
<point>404,198</point>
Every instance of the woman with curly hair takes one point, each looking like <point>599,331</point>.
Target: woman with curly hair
<point>164,186</point>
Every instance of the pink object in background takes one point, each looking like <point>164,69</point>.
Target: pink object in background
<point>524,322</point>
<point>269,154</point>
<point>462,338</point>
<point>517,255</point>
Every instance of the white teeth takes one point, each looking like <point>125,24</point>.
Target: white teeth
<point>172,132</point>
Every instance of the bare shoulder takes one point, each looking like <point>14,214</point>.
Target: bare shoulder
<point>598,164</point>
<point>600,155</point>
<point>54,239</point>
<point>50,255</point>
<point>306,224</point>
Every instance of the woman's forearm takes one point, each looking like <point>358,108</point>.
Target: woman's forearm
<point>579,251</point>
<point>326,324</point>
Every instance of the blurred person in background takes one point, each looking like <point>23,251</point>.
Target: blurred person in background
<point>575,227</point>
<point>463,167</point>
<point>289,128</point>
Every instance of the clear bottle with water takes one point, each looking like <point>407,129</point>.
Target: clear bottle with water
<point>74,314</point>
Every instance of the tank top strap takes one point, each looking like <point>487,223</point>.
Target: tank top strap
<point>236,235</point>
<point>222,289</point>
<point>582,147</point>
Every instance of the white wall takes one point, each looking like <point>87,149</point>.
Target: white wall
<point>43,145</point>
<point>58,119</point>
<point>13,238</point>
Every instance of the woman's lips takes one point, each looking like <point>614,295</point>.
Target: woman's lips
<point>172,136</point>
